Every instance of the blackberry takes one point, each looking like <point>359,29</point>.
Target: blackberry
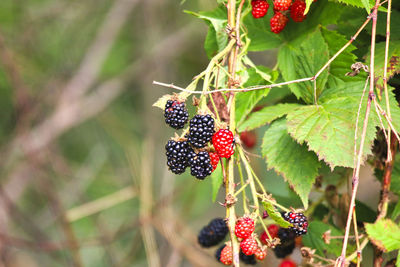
<point>287,244</point>
<point>176,114</point>
<point>201,130</point>
<point>200,164</point>
<point>218,252</point>
<point>213,233</point>
<point>299,221</point>
<point>251,260</point>
<point>177,152</point>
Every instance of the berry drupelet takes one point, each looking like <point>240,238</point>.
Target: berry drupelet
<point>213,233</point>
<point>299,221</point>
<point>177,152</point>
<point>201,130</point>
<point>214,159</point>
<point>282,5</point>
<point>200,164</point>
<point>176,114</point>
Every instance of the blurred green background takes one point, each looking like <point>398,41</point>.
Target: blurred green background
<point>83,174</point>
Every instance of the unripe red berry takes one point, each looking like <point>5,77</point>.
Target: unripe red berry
<point>248,139</point>
<point>260,254</point>
<point>259,8</point>
<point>287,263</point>
<point>282,5</point>
<point>297,11</point>
<point>278,22</point>
<point>223,143</point>
<point>244,227</point>
<point>226,255</point>
<point>249,246</point>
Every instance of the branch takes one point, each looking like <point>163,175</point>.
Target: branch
<point>356,174</point>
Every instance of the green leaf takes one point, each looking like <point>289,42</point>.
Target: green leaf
<point>396,211</point>
<point>308,4</point>
<point>246,101</point>
<point>305,61</point>
<point>216,181</point>
<point>296,164</point>
<point>329,130</point>
<point>260,34</point>
<point>266,115</point>
<point>275,215</point>
<point>321,13</point>
<point>393,66</point>
<point>341,65</point>
<point>313,238</point>
<point>398,259</point>
<point>216,39</point>
<point>162,101</point>
<point>367,5</point>
<point>385,234</point>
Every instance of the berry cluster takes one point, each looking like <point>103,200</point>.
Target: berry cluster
<point>287,245</point>
<point>213,233</point>
<point>299,221</point>
<point>176,114</point>
<point>223,143</point>
<point>281,9</point>
<point>190,151</point>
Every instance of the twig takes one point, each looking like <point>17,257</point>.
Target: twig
<point>356,174</point>
<point>357,239</point>
<point>100,204</point>
<point>388,158</point>
<point>388,120</point>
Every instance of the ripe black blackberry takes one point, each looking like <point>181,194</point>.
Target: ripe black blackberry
<point>251,259</point>
<point>201,130</point>
<point>287,244</point>
<point>213,233</point>
<point>218,252</point>
<point>176,114</point>
<point>177,153</point>
<point>200,164</point>
<point>299,221</point>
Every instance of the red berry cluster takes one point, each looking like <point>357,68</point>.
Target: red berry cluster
<point>281,9</point>
<point>244,229</point>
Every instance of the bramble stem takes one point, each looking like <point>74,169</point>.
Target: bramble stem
<point>356,175</point>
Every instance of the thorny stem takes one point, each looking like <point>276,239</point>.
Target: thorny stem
<point>245,209</point>
<point>394,131</point>
<point>356,174</point>
<point>251,180</point>
<point>230,183</point>
<point>357,239</point>
<point>264,226</point>
<point>385,77</point>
